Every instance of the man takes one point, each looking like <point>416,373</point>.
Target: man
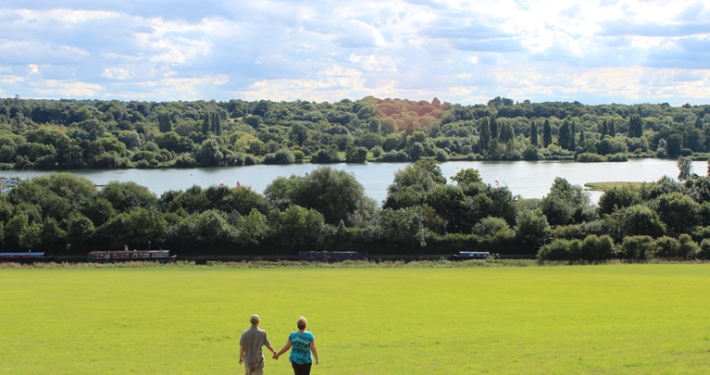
<point>250,348</point>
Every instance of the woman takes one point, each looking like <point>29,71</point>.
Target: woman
<point>303,347</point>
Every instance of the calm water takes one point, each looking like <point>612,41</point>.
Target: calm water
<point>528,179</point>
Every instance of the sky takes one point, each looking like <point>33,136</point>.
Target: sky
<point>594,52</point>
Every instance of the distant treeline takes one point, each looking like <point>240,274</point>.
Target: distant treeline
<point>327,210</point>
<point>75,134</point>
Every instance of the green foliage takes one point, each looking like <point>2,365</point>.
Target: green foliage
<point>531,228</point>
<point>71,134</point>
<point>296,226</point>
<point>617,198</point>
<point>637,220</point>
<point>467,176</point>
<point>405,227</point>
<point>637,247</point>
<point>334,193</point>
<point>589,157</point>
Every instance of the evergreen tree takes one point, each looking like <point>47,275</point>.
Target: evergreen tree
<point>164,123</point>
<point>698,123</point>
<point>494,128</point>
<point>635,127</point>
<point>485,135</point>
<point>604,130</point>
<point>612,129</point>
<point>506,132</point>
<point>546,134</point>
<point>563,136</point>
<point>572,135</point>
<point>581,137</point>
<point>216,124</point>
<point>533,134</point>
<point>206,123</point>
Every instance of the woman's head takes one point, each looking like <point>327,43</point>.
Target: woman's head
<point>302,323</point>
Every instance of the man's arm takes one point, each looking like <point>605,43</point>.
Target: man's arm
<point>271,348</point>
<point>241,354</point>
<point>283,350</point>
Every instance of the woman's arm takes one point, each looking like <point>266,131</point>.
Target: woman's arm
<point>314,350</point>
<point>283,350</point>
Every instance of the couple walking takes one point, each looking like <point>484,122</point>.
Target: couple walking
<point>302,345</point>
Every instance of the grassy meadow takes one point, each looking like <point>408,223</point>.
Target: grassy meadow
<point>604,319</point>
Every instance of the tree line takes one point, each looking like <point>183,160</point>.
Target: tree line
<point>327,210</point>
<point>76,134</point>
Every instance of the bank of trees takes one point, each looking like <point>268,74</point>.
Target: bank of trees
<point>326,209</point>
<point>75,134</point>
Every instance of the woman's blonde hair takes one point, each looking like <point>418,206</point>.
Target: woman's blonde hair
<point>302,323</point>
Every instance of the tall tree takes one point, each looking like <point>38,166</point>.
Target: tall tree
<point>485,135</point>
<point>564,135</point>
<point>206,123</point>
<point>572,135</point>
<point>533,134</point>
<point>604,130</point>
<point>546,134</point>
<point>494,128</point>
<point>685,168</point>
<point>164,123</point>
<point>506,132</point>
<point>635,127</point>
<point>612,128</point>
<point>581,137</point>
<point>216,124</point>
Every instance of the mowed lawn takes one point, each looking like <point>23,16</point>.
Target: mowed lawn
<point>610,319</point>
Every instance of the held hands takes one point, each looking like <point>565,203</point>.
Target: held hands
<point>275,356</point>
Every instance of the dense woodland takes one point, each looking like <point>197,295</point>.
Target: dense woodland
<point>327,210</point>
<point>75,134</point>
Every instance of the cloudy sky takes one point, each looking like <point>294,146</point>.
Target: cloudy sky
<point>605,51</point>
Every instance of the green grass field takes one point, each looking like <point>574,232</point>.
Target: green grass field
<point>608,319</point>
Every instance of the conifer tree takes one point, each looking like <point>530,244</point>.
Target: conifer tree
<point>216,124</point>
<point>164,123</point>
<point>563,136</point>
<point>494,128</point>
<point>506,132</point>
<point>572,135</point>
<point>485,135</point>
<point>533,134</point>
<point>581,137</point>
<point>612,129</point>
<point>206,123</point>
<point>604,130</point>
<point>698,123</point>
<point>546,134</point>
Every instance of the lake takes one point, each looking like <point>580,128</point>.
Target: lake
<point>529,179</point>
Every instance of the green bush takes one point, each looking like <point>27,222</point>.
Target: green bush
<point>589,157</point>
<point>555,250</point>
<point>621,156</point>
<point>637,247</point>
<point>704,252</point>
<point>666,247</point>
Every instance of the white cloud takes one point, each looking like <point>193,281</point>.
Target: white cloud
<point>117,73</point>
<point>460,51</point>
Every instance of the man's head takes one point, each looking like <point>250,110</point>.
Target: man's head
<point>254,319</point>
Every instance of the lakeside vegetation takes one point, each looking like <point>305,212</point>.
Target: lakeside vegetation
<point>423,214</point>
<point>98,134</point>
<point>604,186</point>
<point>621,319</point>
